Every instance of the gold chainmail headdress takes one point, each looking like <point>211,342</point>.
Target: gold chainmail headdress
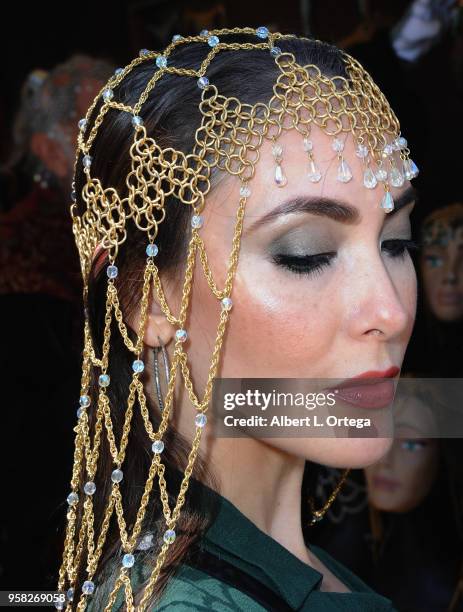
<point>228,138</point>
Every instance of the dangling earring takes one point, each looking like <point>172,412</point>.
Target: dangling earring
<point>317,515</point>
<point>157,380</point>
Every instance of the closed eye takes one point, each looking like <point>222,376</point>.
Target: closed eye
<point>398,247</point>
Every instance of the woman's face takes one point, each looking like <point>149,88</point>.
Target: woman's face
<point>314,296</point>
<point>401,480</point>
<point>442,271</point>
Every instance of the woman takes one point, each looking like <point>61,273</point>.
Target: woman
<point>323,287</point>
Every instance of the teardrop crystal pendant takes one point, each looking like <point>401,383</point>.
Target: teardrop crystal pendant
<point>314,173</point>
<point>387,203</point>
<point>280,178</point>
<point>369,179</point>
<point>344,172</point>
<point>396,177</point>
<point>410,169</point>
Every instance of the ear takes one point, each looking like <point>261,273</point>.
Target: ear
<point>158,329</point>
<point>50,153</point>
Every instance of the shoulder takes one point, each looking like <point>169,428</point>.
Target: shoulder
<point>190,588</point>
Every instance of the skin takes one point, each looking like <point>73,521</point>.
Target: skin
<point>403,478</point>
<point>357,314</point>
<point>442,271</point>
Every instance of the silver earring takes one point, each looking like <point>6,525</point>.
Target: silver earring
<point>157,380</point>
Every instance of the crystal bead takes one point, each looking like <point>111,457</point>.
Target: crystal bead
<point>388,150</point>
<point>112,271</point>
<point>203,82</point>
<point>89,488</point>
<point>108,95</point>
<point>82,124</point>
<point>387,203</point>
<point>280,178</point>
<point>314,173</point>
<point>245,192</point>
<point>169,536</point>
<point>84,401</point>
<point>410,169</point>
<point>361,151</point>
<point>396,177</point>
<point>88,587</point>
<point>146,542</point>
<point>73,195</point>
<point>87,161</point>
<point>337,145</point>
<point>344,172</point>
<point>72,498</point>
<point>181,335</point>
<point>59,605</point>
<point>117,476</point>
<point>369,179</point>
<point>157,447</point>
<point>128,560</point>
<point>204,33</point>
<point>143,52</point>
<point>277,152</point>
<point>308,145</point>
<point>137,121</point>
<point>227,303</point>
<point>138,366</point>
<point>161,61</point>
<point>213,41</point>
<point>177,37</point>
<point>275,51</point>
<point>80,412</point>
<point>103,380</point>
<point>200,419</point>
<point>401,142</point>
<point>381,175</point>
<point>262,32</point>
<point>70,594</point>
<point>118,71</point>
<point>152,250</point>
<point>196,221</point>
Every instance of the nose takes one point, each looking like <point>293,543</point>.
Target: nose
<point>381,305</point>
<point>450,270</point>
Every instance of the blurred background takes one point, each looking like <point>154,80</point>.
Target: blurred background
<point>398,524</point>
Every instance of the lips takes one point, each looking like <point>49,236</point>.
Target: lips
<point>372,389</point>
<point>449,298</point>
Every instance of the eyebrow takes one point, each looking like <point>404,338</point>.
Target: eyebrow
<point>327,207</point>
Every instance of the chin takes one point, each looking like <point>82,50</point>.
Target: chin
<point>354,452</point>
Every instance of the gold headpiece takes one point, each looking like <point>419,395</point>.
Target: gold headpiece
<point>229,138</point>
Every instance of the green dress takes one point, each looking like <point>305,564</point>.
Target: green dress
<point>236,540</point>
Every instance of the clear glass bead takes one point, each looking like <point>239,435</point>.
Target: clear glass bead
<point>143,52</point>
<point>245,192</point>
<point>152,250</point>
<point>181,335</point>
<point>70,594</point>
<point>396,177</point>
<point>137,121</point>
<point>203,82</point>
<point>128,560</point>
<point>381,175</point>
<point>388,150</point>
<point>138,366</point>
<point>84,401</point>
<point>112,271</point>
<point>80,412</point>
<point>196,221</point>
<point>410,169</point>
<point>169,536</point>
<point>161,61</point>
<point>280,177</point>
<point>275,51</point>
<point>82,124</point>
<point>108,95</point>
<point>104,380</point>
<point>369,179</point>
<point>72,498</point>
<point>89,487</point>
<point>344,172</point>
<point>157,447</point>
<point>361,151</point>
<point>118,71</point>
<point>227,303</point>
<point>262,32</point>
<point>87,161</point>
<point>314,173</point>
<point>88,587</point>
<point>177,37</point>
<point>200,419</point>
<point>146,542</point>
<point>277,152</point>
<point>387,203</point>
<point>337,145</point>
<point>213,41</point>
<point>308,145</point>
<point>204,33</point>
<point>59,605</point>
<point>73,195</point>
<point>117,476</point>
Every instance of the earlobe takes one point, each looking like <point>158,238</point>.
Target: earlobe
<point>158,330</point>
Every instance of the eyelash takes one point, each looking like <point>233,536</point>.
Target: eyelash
<point>314,264</point>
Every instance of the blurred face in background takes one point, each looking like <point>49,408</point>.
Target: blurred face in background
<point>442,269</point>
